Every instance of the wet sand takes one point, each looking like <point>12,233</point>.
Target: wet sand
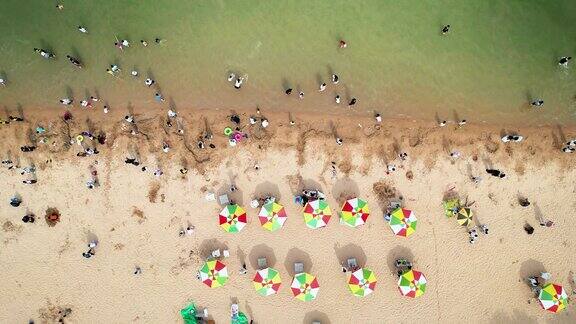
<point>136,218</point>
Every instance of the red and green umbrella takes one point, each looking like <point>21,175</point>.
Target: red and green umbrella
<point>412,283</point>
<point>553,298</point>
<point>362,282</point>
<point>267,281</point>
<point>232,218</point>
<point>214,273</point>
<point>317,213</point>
<point>355,212</point>
<point>403,222</point>
<point>305,286</point>
<point>272,216</point>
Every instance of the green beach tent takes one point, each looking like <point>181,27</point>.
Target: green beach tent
<point>189,314</point>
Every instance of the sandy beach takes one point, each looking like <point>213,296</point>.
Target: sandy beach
<point>136,218</point>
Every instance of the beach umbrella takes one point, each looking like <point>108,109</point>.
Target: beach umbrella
<point>267,281</point>
<point>272,216</point>
<point>553,298</point>
<point>355,212</point>
<point>305,286</point>
<point>403,222</point>
<point>362,282</point>
<point>464,216</point>
<point>214,273</point>
<point>412,283</point>
<point>317,213</point>
<point>232,218</point>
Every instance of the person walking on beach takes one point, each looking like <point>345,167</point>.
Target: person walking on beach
<point>564,61</point>
<point>496,173</point>
<point>536,103</point>
<point>445,29</point>
<point>82,29</point>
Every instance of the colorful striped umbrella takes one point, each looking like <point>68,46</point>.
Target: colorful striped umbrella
<point>412,283</point>
<point>553,298</point>
<point>362,282</point>
<point>464,216</point>
<point>267,281</point>
<point>355,212</point>
<point>272,216</point>
<point>214,273</point>
<point>403,222</point>
<point>317,213</point>
<point>305,286</point>
<point>232,218</point>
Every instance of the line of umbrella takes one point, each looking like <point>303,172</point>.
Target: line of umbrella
<point>305,286</point>
<point>361,283</point>
<point>317,214</point>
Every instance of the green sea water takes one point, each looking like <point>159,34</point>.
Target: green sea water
<point>497,56</point>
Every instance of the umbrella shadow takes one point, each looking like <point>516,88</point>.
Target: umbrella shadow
<point>311,185</point>
<point>529,268</point>
<point>262,251</point>
<point>297,255</point>
<point>386,193</point>
<point>267,189</point>
<point>345,189</point>
<point>351,250</point>
<point>316,316</point>
<point>398,252</point>
<point>207,246</point>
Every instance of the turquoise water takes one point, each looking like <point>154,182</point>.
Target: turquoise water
<point>497,55</point>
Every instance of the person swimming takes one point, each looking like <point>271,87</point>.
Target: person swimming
<point>335,79</point>
<point>238,83</point>
<point>288,91</point>
<point>231,77</point>
<point>144,43</point>
<point>301,95</point>
<point>342,44</point>
<point>149,82</point>
<point>564,61</point>
<point>66,101</point>
<point>82,29</point>
<point>74,61</point>
<point>125,43</point>
<point>44,53</point>
<point>537,103</point>
<point>114,68</point>
<point>337,99</point>
<point>445,29</point>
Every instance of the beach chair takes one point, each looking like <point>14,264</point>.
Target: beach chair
<point>262,263</point>
<point>215,254</point>
<point>352,264</point>
<point>226,253</point>
<point>298,267</point>
<point>223,199</point>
